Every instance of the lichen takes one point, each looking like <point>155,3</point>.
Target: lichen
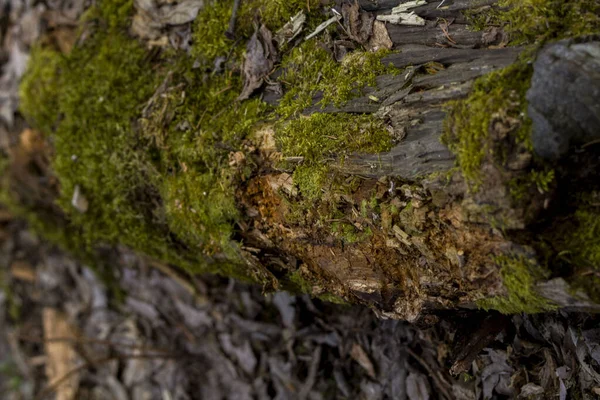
<point>519,275</point>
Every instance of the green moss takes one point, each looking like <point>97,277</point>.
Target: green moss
<point>467,125</point>
<point>38,88</point>
<point>209,31</point>
<point>155,167</point>
<point>309,70</point>
<point>136,176</point>
<point>584,241</point>
<point>96,90</point>
<point>320,137</point>
<point>519,275</point>
<point>212,23</point>
<point>521,185</point>
<point>537,21</point>
<point>349,233</point>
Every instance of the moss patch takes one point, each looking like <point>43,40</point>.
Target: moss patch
<point>519,275</point>
<point>135,175</point>
<point>468,122</point>
<point>148,139</point>
<point>537,21</point>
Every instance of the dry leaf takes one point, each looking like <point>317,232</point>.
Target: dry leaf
<point>359,25</point>
<point>260,58</point>
<point>360,356</point>
<point>22,270</point>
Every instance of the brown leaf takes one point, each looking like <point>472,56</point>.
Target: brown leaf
<point>260,58</point>
<point>359,25</point>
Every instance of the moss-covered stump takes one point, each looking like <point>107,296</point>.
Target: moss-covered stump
<point>405,179</point>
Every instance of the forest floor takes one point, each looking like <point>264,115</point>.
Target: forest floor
<point>141,330</point>
<point>65,333</point>
<point>149,335</point>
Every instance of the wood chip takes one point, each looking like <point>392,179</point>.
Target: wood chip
<point>380,39</point>
<point>23,271</point>
<point>62,357</point>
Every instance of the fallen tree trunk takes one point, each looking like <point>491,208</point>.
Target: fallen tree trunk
<point>477,219</point>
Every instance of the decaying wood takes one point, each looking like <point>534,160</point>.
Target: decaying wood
<point>445,260</point>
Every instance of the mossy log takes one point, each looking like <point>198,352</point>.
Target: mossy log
<point>461,211</point>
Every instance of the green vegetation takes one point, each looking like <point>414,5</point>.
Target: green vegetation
<point>519,275</point>
<point>153,160</point>
<point>499,94</point>
<point>502,93</point>
<point>537,21</point>
<point>213,21</point>
<point>578,243</point>
<point>80,100</point>
<point>321,137</point>
<point>157,190</point>
<point>308,72</point>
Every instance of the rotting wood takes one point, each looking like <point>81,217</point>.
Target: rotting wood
<point>428,243</point>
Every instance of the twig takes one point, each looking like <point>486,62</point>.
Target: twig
<point>230,33</point>
<point>312,374</point>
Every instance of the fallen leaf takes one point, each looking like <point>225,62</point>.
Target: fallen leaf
<point>153,16</point>
<point>360,356</point>
<point>285,304</point>
<point>531,389</point>
<point>260,58</point>
<point>359,25</point>
<point>23,271</point>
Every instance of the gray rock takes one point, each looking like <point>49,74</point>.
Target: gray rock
<point>564,98</point>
